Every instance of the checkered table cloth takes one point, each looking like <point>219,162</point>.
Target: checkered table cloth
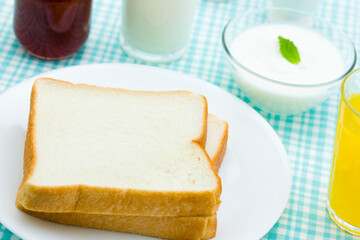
<point>308,137</point>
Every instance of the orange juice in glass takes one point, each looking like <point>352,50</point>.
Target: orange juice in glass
<point>344,185</point>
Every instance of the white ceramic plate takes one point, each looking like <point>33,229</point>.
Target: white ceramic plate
<point>255,173</point>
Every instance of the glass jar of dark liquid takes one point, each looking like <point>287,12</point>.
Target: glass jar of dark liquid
<point>52,29</point>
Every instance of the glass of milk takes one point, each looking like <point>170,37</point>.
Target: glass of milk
<point>272,83</point>
<point>157,30</point>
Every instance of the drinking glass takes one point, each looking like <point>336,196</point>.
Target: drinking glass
<point>302,5</point>
<point>344,185</point>
<point>156,30</point>
<point>52,30</point>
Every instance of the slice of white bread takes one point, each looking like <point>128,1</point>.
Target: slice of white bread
<point>163,227</point>
<point>113,151</point>
<point>217,135</point>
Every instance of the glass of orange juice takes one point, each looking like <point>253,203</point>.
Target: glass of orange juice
<point>344,185</point>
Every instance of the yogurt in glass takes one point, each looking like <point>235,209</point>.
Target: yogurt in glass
<point>267,79</point>
<point>276,85</point>
<point>258,49</point>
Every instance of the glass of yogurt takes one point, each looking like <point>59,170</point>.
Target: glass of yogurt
<point>156,30</point>
<point>271,82</point>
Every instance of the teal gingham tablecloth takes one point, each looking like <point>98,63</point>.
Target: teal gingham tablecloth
<point>308,138</point>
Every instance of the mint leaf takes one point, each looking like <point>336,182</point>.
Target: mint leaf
<point>289,50</point>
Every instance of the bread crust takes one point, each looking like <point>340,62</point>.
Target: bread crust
<point>176,228</point>
<point>105,200</point>
<point>220,153</point>
<point>92,199</point>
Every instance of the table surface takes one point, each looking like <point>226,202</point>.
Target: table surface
<point>308,138</point>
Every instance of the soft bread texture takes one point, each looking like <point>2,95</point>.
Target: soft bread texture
<point>112,151</point>
<point>162,227</point>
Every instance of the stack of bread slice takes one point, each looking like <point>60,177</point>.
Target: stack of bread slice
<point>123,160</point>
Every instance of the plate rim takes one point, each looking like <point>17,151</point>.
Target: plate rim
<point>280,146</point>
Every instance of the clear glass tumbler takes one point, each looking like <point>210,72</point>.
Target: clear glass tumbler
<point>157,30</point>
<point>344,185</point>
